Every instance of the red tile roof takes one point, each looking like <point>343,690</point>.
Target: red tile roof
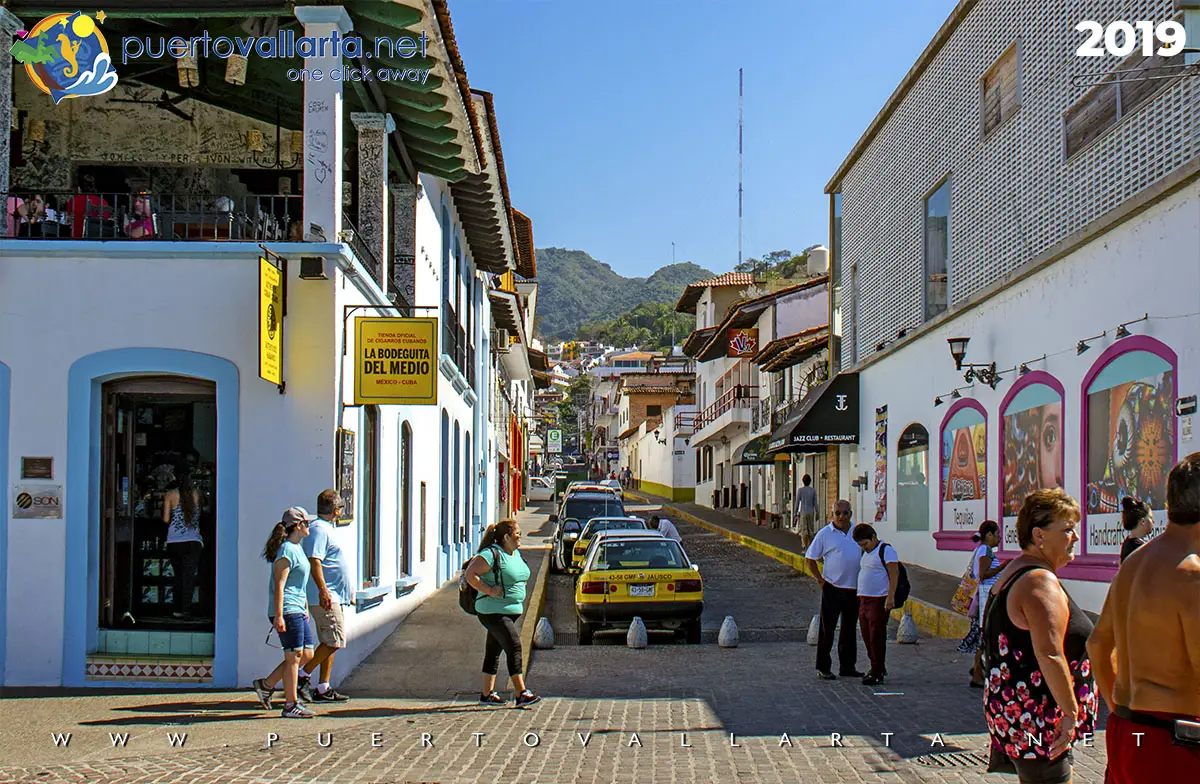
<point>691,294</point>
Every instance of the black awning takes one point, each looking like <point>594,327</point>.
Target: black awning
<point>754,452</point>
<point>828,416</point>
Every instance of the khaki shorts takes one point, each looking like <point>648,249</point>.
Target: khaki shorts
<point>808,524</point>
<point>331,627</point>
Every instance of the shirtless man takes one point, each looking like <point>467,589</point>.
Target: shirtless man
<point>1145,651</point>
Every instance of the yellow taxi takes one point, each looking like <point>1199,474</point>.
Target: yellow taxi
<point>597,524</point>
<point>648,578</point>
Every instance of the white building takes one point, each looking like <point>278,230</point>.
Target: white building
<point>122,362</point>
<point>1009,195</point>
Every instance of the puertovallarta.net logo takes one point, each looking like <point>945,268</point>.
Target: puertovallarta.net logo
<point>66,56</point>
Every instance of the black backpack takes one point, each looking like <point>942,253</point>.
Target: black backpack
<point>903,587</point>
<point>467,593</point>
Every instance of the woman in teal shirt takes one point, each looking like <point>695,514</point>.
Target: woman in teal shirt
<point>499,606</point>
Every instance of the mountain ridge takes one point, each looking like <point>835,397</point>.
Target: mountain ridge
<point>574,289</point>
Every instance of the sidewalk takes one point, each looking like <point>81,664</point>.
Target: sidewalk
<point>932,591</point>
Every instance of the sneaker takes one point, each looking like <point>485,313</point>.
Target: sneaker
<point>491,699</point>
<point>527,698</point>
<point>263,692</point>
<point>872,680</point>
<point>296,711</point>
<point>851,674</point>
<point>304,689</point>
<point>826,676</point>
<point>332,695</point>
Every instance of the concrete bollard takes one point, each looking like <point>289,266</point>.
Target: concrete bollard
<point>814,630</point>
<point>907,633</point>
<point>543,634</point>
<point>728,636</point>
<point>636,637</point>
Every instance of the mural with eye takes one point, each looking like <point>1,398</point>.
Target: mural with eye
<point>1032,442</point>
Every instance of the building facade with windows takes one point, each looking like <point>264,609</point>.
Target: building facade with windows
<point>148,356</point>
<point>1046,208</point>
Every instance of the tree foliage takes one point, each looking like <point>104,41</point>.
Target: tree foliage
<point>778,264</point>
<point>650,325</point>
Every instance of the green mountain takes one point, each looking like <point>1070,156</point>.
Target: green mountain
<point>575,289</point>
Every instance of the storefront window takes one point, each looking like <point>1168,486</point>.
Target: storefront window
<point>964,469</point>
<point>1129,433</point>
<point>912,479</point>
<point>1031,434</point>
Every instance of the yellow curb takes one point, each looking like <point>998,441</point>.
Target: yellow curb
<point>537,603</point>
<point>931,619</point>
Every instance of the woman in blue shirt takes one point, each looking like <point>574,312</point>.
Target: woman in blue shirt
<point>499,606</point>
<point>288,610</point>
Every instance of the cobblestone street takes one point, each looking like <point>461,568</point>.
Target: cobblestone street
<point>669,713</point>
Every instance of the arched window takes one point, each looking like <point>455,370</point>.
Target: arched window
<point>1129,439</point>
<point>1031,437</point>
<point>370,497</point>
<point>468,482</point>
<point>963,475</point>
<point>457,502</point>
<point>912,479</point>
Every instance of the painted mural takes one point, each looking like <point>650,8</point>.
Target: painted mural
<point>964,471</point>
<point>1033,450</point>
<point>880,464</point>
<point>1131,444</point>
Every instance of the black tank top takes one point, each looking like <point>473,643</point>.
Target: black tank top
<point>1018,705</point>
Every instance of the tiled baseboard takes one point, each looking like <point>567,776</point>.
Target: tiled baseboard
<point>137,668</point>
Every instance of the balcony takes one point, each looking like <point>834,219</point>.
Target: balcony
<point>685,422</point>
<point>732,407</point>
<point>815,377</point>
<point>760,415</point>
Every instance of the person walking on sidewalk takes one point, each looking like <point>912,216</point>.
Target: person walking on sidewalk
<point>665,527</point>
<point>288,610</point>
<point>1138,521</point>
<point>878,575</point>
<point>1146,647</point>
<point>804,521</point>
<point>1040,694</point>
<point>839,555</point>
<point>985,566</point>
<point>328,591</point>
<point>499,605</point>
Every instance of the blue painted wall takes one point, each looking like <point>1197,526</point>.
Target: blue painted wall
<point>5,379</point>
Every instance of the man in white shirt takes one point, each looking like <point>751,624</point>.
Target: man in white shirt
<point>839,555</point>
<point>665,527</point>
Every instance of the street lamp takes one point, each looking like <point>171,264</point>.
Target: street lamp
<point>958,350</point>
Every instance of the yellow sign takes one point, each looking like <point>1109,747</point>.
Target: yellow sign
<point>270,322</point>
<point>395,361</point>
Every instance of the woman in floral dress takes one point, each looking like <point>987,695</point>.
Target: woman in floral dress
<point>1040,695</point>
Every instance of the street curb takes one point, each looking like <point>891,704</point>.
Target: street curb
<point>537,603</point>
<point>933,620</point>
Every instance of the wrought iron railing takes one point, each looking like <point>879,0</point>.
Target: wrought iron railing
<point>814,378</point>
<point>685,422</point>
<point>740,396</point>
<point>122,215</point>
<point>760,414</point>
<point>361,249</point>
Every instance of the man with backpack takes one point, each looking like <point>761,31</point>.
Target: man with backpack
<point>882,586</point>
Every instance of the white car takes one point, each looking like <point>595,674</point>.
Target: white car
<point>541,489</point>
<point>615,484</point>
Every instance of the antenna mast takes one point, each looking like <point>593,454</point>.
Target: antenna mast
<point>739,167</point>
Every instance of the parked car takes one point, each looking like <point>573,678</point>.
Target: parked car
<point>541,488</point>
<point>562,542</point>
<point>615,484</point>
<point>652,579</point>
<point>597,524</point>
<point>584,505</point>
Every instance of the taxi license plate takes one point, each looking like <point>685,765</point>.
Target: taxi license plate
<point>641,590</point>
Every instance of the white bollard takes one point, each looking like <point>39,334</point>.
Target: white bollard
<point>543,634</point>
<point>728,636</point>
<point>907,633</point>
<point>814,630</point>
<point>636,637</point>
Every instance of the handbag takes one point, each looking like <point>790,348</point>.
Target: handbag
<point>968,587</point>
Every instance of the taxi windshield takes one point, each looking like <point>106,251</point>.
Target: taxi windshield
<point>648,554</point>
<point>596,526</point>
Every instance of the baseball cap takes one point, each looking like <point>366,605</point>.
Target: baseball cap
<point>297,515</point>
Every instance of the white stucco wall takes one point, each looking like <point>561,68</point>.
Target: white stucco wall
<point>1149,263</point>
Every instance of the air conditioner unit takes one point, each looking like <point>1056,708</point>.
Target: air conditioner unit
<point>500,341</point>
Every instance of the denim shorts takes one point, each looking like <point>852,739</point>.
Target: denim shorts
<point>297,633</point>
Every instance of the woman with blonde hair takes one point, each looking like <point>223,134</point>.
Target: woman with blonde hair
<point>1040,694</point>
<point>500,604</point>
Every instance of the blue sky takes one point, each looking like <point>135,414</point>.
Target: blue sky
<point>618,119</point>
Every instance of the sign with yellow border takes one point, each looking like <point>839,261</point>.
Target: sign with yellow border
<point>270,322</point>
<point>395,361</point>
